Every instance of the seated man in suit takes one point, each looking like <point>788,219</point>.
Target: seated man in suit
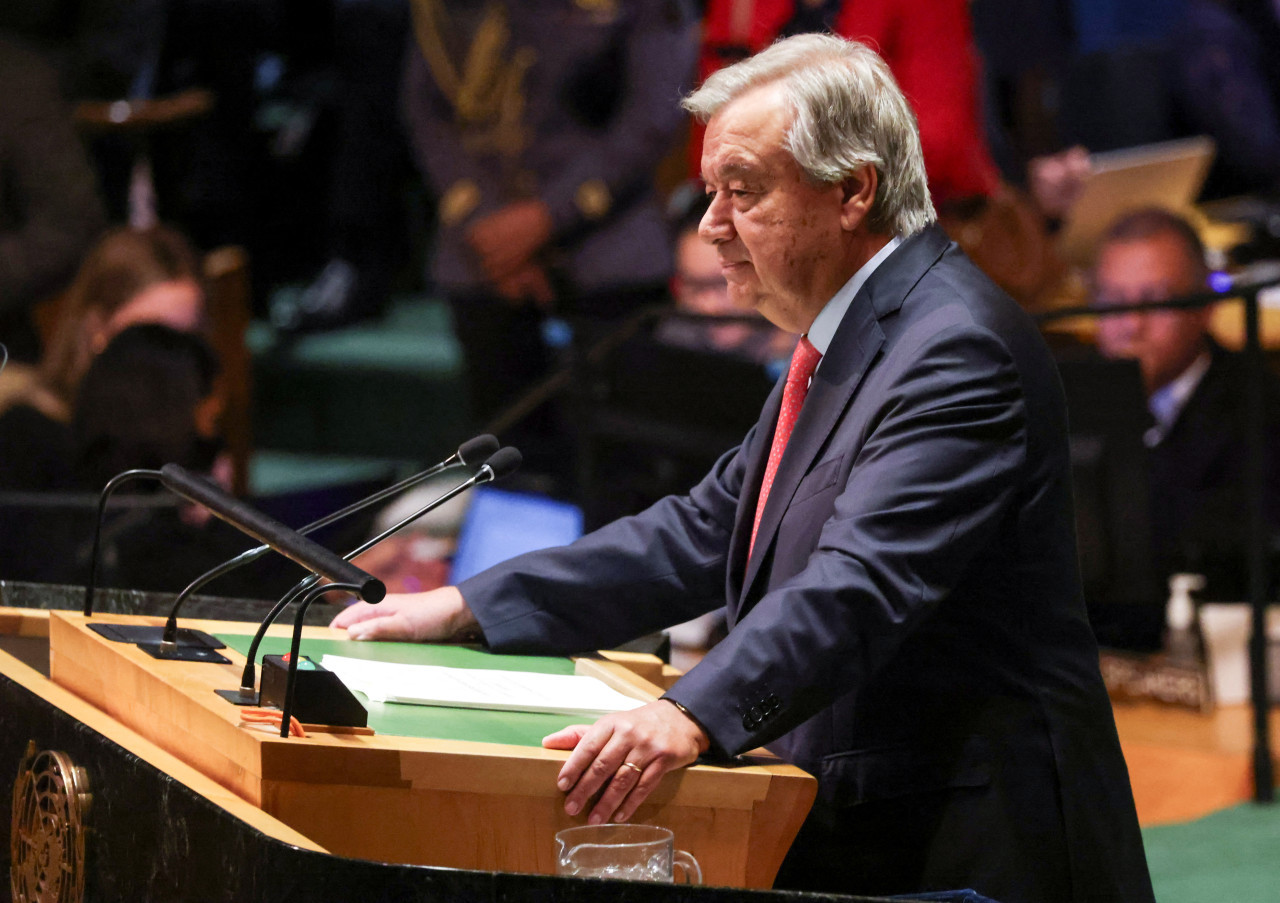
<point>1196,394</point>
<point>698,286</point>
<point>892,542</point>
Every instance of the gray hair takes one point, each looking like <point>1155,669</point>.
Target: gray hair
<point>848,113</point>
<point>1149,222</point>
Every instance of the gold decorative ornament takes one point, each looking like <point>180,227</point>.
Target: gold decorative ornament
<point>50,802</point>
<point>602,11</point>
<point>480,75</point>
<point>458,202</point>
<point>593,199</point>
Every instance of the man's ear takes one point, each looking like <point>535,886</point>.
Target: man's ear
<point>858,197</point>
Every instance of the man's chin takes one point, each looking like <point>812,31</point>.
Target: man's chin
<point>744,297</point>
<point>777,317</point>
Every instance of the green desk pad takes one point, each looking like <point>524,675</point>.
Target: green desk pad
<point>429,721</point>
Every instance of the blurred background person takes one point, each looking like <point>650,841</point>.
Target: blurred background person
<point>50,210</point>
<point>699,287</point>
<point>147,400</point>
<point>1227,80</point>
<point>1063,78</point>
<point>370,175</point>
<point>928,45</point>
<point>130,277</point>
<point>538,127</point>
<point>1196,394</point>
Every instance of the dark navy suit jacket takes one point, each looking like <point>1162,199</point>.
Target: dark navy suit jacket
<point>910,627</point>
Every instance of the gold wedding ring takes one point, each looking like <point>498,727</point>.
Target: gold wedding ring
<point>633,766</point>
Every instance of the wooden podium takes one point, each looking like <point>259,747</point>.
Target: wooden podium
<point>409,799</point>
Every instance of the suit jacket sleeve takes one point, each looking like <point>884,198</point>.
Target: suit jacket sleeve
<point>931,478</point>
<point>631,577</point>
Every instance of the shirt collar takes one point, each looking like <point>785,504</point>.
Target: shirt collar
<point>1167,402</point>
<point>828,319</point>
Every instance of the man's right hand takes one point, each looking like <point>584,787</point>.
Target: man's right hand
<point>436,616</point>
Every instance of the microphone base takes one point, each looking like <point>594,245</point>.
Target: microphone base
<point>239,697</point>
<point>146,633</point>
<point>184,654</point>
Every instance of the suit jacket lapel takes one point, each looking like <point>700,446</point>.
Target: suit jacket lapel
<point>853,349</point>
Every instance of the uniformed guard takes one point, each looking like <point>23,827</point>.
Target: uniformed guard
<point>538,125</point>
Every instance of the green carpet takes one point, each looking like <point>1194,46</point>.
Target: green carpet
<point>1232,856</point>
<point>389,388</point>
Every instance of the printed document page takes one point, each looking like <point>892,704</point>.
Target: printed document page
<point>518,691</point>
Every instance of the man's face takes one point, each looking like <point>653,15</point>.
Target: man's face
<point>1164,342</point>
<point>778,235</point>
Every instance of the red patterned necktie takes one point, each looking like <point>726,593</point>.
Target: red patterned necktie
<point>804,360</point>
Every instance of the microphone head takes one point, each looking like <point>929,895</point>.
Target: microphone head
<point>503,463</point>
<point>476,450</point>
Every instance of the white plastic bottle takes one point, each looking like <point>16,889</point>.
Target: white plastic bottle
<point>1182,634</point>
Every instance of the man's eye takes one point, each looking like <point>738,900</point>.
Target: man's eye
<point>732,193</point>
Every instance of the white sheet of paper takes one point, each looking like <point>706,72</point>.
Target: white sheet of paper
<point>512,691</point>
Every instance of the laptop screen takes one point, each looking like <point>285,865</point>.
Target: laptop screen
<point>501,524</point>
<point>1168,175</point>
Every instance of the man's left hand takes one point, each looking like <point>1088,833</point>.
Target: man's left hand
<point>626,755</point>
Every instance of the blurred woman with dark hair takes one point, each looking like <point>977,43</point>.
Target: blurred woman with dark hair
<point>131,276</point>
<point>147,400</point>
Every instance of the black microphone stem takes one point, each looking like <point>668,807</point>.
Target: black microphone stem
<point>483,476</point>
<point>483,444</point>
<point>112,483</point>
<point>169,639</point>
<point>248,677</point>
<point>380,495</point>
<point>314,593</point>
<point>312,556</point>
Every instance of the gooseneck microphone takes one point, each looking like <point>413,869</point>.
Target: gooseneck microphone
<point>469,454</point>
<point>501,463</point>
<point>116,481</point>
<point>291,682</point>
<point>285,540</point>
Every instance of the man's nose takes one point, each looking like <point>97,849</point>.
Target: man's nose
<point>1124,327</point>
<point>1131,322</point>
<point>716,226</point>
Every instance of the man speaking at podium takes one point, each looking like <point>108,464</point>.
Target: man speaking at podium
<point>893,541</point>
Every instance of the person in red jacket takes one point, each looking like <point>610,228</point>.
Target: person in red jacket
<point>929,47</point>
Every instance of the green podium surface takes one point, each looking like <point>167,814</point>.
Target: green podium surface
<point>434,722</point>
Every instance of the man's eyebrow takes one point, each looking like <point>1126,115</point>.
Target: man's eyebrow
<point>734,169</point>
